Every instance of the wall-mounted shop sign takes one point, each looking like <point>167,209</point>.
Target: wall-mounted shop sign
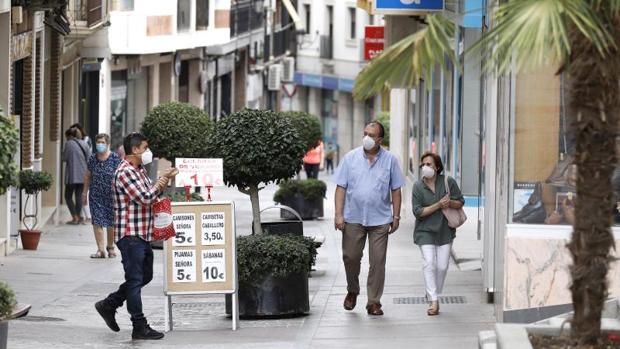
<point>374,41</point>
<point>324,81</point>
<point>21,46</point>
<point>404,7</point>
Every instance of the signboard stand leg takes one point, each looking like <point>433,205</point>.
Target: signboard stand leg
<point>235,311</point>
<point>168,314</point>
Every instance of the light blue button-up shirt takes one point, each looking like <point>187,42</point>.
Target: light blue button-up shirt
<point>368,186</point>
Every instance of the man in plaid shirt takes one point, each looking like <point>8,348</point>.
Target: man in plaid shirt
<point>134,196</point>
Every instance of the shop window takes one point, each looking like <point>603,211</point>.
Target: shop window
<point>307,15</point>
<point>544,175</point>
<point>352,23</point>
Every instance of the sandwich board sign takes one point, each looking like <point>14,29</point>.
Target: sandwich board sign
<point>201,258</point>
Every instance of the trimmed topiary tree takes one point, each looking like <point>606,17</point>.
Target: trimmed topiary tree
<point>384,119</point>
<point>9,141</point>
<point>258,147</point>
<point>178,130</point>
<point>307,125</point>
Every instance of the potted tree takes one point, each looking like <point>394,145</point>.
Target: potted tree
<point>259,147</point>
<point>273,280</point>
<point>304,196</point>
<point>7,306</point>
<point>32,182</point>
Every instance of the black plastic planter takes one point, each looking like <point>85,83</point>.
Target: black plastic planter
<point>273,297</point>
<point>307,209</point>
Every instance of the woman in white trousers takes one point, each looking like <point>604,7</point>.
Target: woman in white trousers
<point>432,233</point>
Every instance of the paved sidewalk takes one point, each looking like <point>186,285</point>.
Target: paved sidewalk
<point>62,284</point>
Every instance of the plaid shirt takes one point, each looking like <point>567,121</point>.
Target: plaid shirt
<point>134,196</point>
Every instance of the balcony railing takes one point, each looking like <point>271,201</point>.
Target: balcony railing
<point>88,12</point>
<point>327,47</point>
<point>246,15</point>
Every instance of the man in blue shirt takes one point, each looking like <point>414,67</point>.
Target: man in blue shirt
<point>368,199</point>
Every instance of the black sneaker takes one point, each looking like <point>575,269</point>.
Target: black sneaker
<point>144,331</point>
<point>108,314</point>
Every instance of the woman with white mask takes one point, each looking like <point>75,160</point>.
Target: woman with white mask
<point>432,232</point>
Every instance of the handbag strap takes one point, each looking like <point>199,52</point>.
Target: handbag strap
<point>82,149</point>
<point>446,185</point>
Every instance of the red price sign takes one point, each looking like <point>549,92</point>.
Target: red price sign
<point>199,172</point>
<point>374,41</point>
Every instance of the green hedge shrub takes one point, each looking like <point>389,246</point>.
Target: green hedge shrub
<point>34,182</point>
<point>308,126</point>
<point>7,301</point>
<point>9,142</point>
<point>310,189</point>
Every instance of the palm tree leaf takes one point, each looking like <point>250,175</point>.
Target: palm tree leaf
<point>535,33</point>
<point>406,62</point>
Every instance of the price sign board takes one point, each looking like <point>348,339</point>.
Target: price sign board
<point>374,40</point>
<point>201,257</point>
<point>199,172</point>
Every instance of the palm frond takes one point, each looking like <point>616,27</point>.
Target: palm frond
<point>535,33</point>
<point>404,63</point>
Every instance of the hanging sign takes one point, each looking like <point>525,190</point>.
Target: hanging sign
<point>404,7</point>
<point>199,172</point>
<point>374,41</point>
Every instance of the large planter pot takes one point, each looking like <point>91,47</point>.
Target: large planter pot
<point>307,209</point>
<point>30,238</point>
<point>4,333</point>
<point>516,336</point>
<point>273,297</point>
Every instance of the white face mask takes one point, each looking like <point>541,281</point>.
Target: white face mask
<point>147,157</point>
<point>428,172</point>
<point>368,143</point>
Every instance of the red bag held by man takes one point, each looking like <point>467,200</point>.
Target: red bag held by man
<point>163,226</point>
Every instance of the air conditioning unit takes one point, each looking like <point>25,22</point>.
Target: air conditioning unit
<point>274,77</point>
<point>288,65</point>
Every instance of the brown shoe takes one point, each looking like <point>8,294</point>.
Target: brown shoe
<point>350,301</point>
<point>433,308</point>
<point>374,309</point>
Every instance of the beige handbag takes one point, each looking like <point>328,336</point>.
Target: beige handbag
<point>455,216</point>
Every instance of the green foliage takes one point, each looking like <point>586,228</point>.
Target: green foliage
<point>409,60</point>
<point>178,130</point>
<point>310,189</point>
<point>258,146</point>
<point>276,255</point>
<point>34,181</point>
<point>180,197</point>
<point>7,301</point>
<point>384,119</point>
<point>9,142</point>
<point>308,126</point>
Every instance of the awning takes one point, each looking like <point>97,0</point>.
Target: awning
<point>294,15</point>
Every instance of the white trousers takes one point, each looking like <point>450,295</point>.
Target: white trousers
<point>436,260</point>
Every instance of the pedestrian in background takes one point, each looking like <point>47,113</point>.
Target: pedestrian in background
<point>134,196</point>
<point>81,134</point>
<point>312,161</point>
<point>98,190</point>
<point>75,154</point>
<point>432,232</point>
<point>329,158</point>
<point>368,199</point>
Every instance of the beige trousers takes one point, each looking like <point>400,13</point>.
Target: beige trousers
<point>353,242</point>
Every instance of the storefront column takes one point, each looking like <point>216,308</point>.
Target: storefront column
<point>345,121</point>
<point>399,100</point>
<point>314,101</point>
<point>358,122</point>
<point>195,96</point>
<point>154,86</point>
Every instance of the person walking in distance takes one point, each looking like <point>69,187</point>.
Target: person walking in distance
<point>134,196</point>
<point>75,154</point>
<point>98,190</point>
<point>432,232</point>
<point>368,200</point>
<point>329,158</point>
<point>312,161</point>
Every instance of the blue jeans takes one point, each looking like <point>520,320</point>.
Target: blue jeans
<point>138,264</point>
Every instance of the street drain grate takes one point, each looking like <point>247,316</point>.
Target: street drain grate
<point>422,300</point>
<point>40,319</point>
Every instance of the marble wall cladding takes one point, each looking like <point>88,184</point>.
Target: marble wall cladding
<point>536,273</point>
